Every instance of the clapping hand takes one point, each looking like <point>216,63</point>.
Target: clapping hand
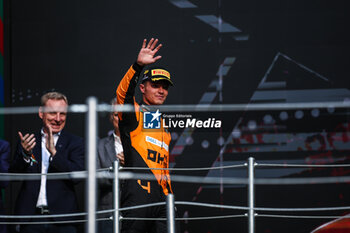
<point>120,156</point>
<point>27,142</point>
<point>50,143</point>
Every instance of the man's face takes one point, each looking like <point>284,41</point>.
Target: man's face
<point>154,93</point>
<point>56,117</point>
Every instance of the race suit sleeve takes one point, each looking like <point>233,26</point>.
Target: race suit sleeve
<point>126,89</point>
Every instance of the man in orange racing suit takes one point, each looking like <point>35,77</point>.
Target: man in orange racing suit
<point>145,141</point>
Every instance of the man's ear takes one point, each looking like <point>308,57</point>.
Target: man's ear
<point>41,112</point>
<point>142,88</point>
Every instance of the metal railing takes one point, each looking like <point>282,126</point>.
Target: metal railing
<point>92,173</point>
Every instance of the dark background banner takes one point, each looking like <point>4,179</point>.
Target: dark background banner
<point>219,51</point>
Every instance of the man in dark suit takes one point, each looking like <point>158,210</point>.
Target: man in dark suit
<point>109,149</point>
<point>4,167</point>
<point>51,150</point>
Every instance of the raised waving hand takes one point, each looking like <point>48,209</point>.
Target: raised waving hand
<point>147,54</point>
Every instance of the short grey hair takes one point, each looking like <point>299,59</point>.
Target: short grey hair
<point>53,95</point>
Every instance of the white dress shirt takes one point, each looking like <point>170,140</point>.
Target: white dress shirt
<point>45,157</point>
<point>117,144</point>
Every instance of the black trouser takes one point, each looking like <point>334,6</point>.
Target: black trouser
<point>46,228</point>
<point>133,194</point>
<point>105,226</point>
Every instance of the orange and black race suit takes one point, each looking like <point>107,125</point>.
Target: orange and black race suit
<point>148,148</point>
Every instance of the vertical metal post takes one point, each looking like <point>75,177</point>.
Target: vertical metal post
<point>116,225</point>
<point>91,145</point>
<point>170,205</point>
<point>251,195</point>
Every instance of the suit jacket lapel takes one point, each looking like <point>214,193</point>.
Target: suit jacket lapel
<point>37,150</point>
<point>110,149</point>
<point>62,140</point>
